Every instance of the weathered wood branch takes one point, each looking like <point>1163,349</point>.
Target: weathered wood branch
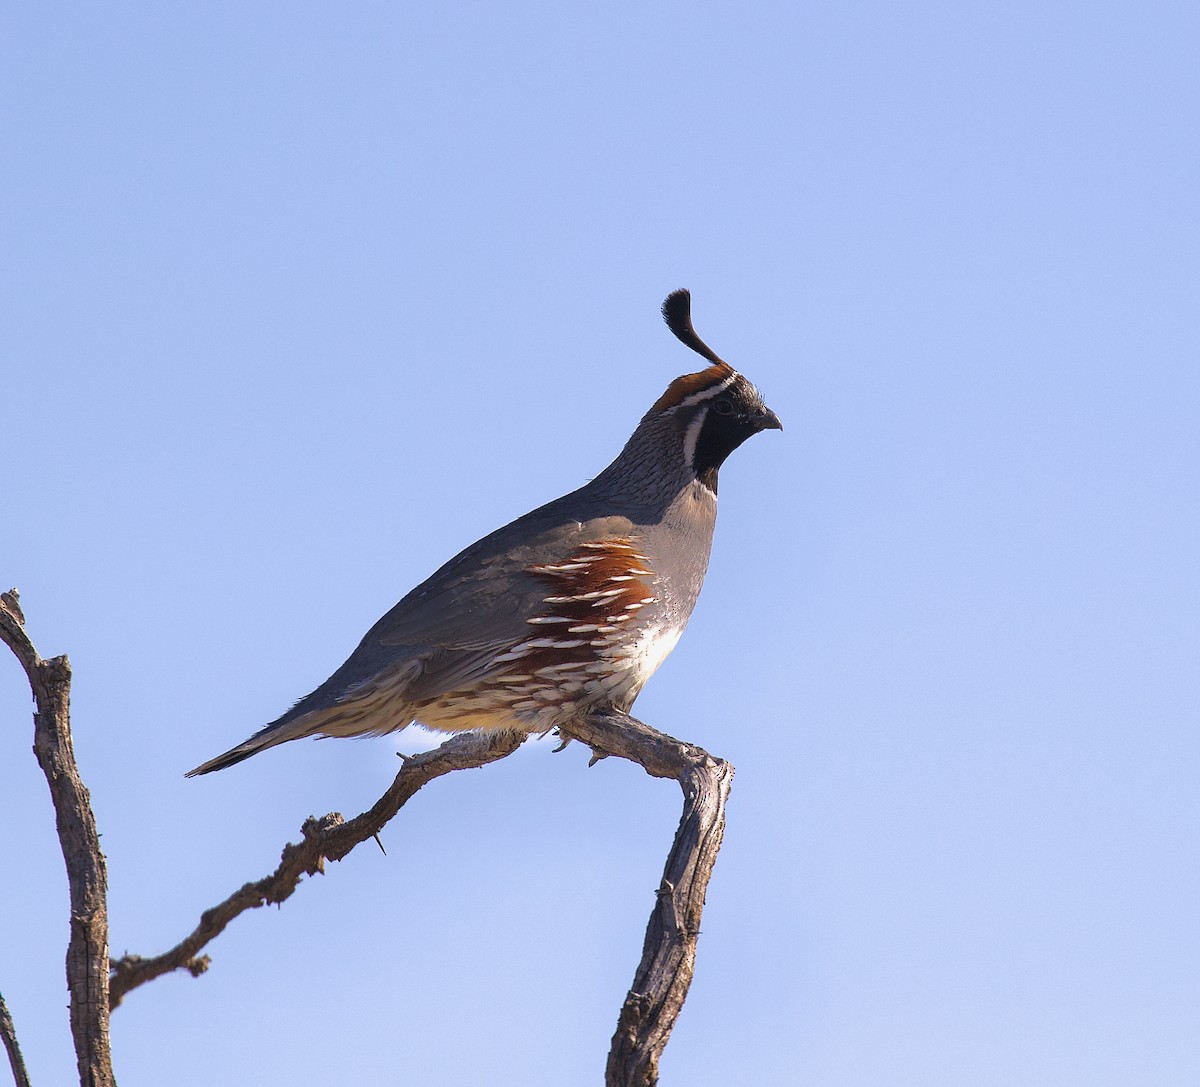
<point>87,879</point>
<point>329,838</point>
<point>668,962</point>
<point>15,1061</point>
<point>661,981</point>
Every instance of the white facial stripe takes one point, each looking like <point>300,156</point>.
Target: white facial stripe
<point>692,437</point>
<point>707,394</point>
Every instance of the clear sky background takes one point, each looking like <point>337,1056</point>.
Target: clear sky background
<point>300,299</point>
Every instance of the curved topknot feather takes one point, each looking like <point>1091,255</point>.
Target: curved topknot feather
<point>677,312</point>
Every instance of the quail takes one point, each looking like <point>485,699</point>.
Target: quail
<point>565,611</point>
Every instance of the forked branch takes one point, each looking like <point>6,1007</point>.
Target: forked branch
<point>663,976</point>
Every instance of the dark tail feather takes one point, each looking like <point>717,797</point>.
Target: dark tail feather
<point>328,711</point>
<point>234,755</point>
<point>291,726</point>
<point>230,758</point>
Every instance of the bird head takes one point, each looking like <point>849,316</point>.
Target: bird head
<point>716,408</point>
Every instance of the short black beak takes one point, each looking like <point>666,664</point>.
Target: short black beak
<point>768,420</point>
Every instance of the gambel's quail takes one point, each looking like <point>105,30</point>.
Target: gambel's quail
<point>568,610</point>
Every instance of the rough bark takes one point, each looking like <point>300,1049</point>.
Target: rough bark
<point>668,962</point>
<point>87,879</point>
<point>9,1034</point>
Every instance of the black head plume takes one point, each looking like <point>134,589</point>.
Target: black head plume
<point>677,312</point>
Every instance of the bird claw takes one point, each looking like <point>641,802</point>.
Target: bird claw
<point>564,739</point>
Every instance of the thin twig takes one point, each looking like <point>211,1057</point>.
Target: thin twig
<point>87,878</point>
<point>668,962</point>
<point>15,1061</point>
<point>329,838</point>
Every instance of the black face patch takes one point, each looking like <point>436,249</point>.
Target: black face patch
<point>719,436</point>
<point>730,418</point>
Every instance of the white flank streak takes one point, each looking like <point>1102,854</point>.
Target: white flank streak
<point>692,437</point>
<point>513,654</point>
<point>600,594</point>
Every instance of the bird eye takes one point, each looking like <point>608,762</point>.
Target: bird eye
<point>723,407</point>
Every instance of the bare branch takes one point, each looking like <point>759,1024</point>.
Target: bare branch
<point>87,878</point>
<point>329,838</point>
<point>15,1061</point>
<point>664,974</point>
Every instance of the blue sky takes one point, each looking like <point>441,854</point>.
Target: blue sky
<point>301,300</point>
